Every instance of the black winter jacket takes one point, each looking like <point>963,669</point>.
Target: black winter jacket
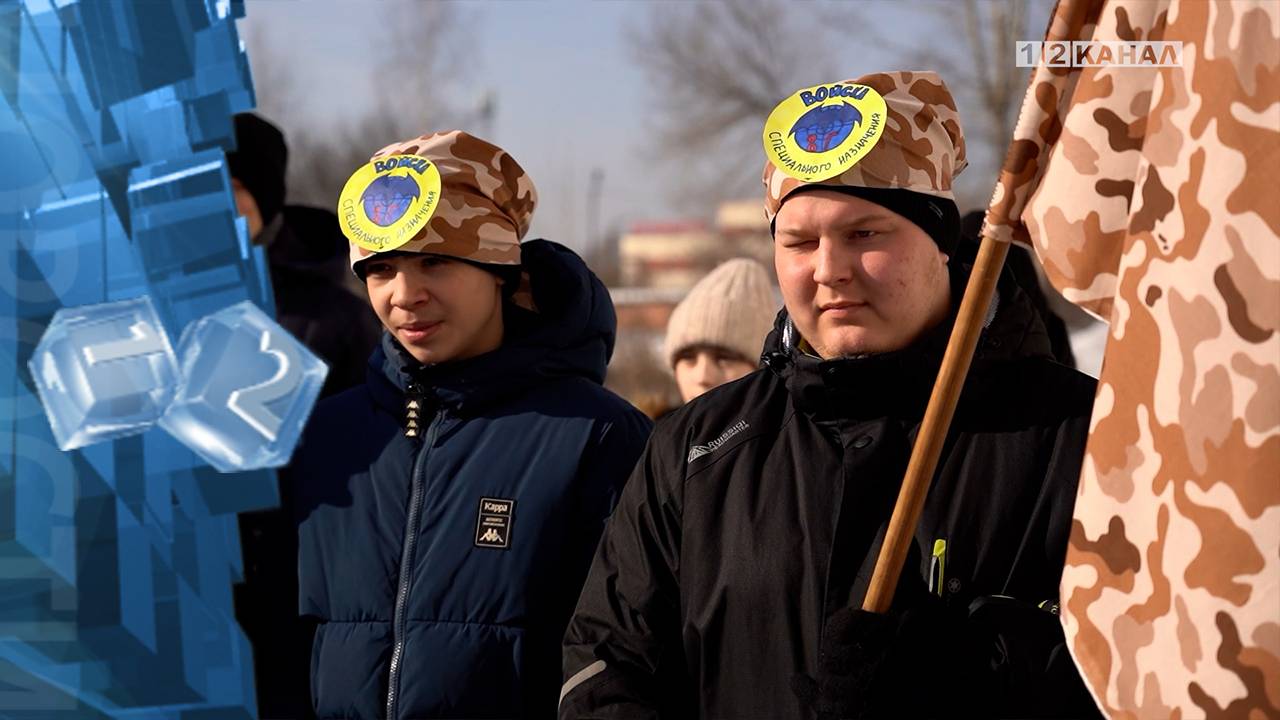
<point>757,511</point>
<point>448,514</point>
<point>310,274</point>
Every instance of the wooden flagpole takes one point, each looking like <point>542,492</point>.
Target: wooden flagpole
<point>1024,163</point>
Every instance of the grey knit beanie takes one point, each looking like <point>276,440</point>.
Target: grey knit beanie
<point>732,307</point>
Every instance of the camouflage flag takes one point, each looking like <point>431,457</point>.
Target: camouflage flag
<point>1150,196</point>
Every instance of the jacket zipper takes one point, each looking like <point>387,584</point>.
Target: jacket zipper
<point>406,565</point>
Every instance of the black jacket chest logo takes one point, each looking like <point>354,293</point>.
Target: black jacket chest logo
<point>697,451</point>
<point>493,526</point>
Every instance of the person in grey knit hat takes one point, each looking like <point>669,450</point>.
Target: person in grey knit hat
<point>715,334</point>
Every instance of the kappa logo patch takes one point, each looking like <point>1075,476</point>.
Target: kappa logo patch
<point>493,526</point>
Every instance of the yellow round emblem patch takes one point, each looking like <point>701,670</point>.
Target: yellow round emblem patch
<point>386,202</point>
<point>821,131</point>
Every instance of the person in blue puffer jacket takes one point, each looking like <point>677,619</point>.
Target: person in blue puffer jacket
<point>448,509</point>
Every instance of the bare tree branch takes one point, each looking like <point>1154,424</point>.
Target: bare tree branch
<point>984,76</point>
<point>716,70</point>
<point>423,55</point>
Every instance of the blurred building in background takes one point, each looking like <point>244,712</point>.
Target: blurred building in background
<point>742,226</point>
<point>666,253</point>
<point>658,262</point>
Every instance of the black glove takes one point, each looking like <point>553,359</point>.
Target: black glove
<point>1024,659</point>
<point>1001,658</point>
<point>853,647</point>
<point>873,665</point>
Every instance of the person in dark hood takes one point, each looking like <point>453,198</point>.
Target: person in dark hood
<point>307,255</point>
<point>307,261</point>
<point>257,168</point>
<point>448,507</point>
<point>730,579</point>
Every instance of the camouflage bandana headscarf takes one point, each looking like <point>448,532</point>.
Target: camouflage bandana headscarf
<point>922,148</point>
<point>486,200</point>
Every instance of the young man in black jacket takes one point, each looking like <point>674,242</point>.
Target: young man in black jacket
<point>729,579</point>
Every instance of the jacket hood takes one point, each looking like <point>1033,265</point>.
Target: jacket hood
<point>900,382</point>
<point>306,241</point>
<point>570,335</point>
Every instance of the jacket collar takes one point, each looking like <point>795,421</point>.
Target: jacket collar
<point>464,387</point>
<point>571,335</point>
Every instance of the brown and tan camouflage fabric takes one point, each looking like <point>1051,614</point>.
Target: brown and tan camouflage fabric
<point>486,200</point>
<point>921,148</point>
<point>1150,195</point>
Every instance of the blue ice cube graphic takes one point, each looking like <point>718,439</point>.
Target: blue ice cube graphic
<point>247,389</point>
<point>104,371</point>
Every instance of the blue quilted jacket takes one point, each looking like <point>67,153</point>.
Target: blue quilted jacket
<point>448,515</point>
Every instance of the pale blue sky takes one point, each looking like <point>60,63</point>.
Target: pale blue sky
<point>569,96</point>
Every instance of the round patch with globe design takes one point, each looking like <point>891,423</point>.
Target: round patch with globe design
<point>821,131</point>
<point>388,201</point>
